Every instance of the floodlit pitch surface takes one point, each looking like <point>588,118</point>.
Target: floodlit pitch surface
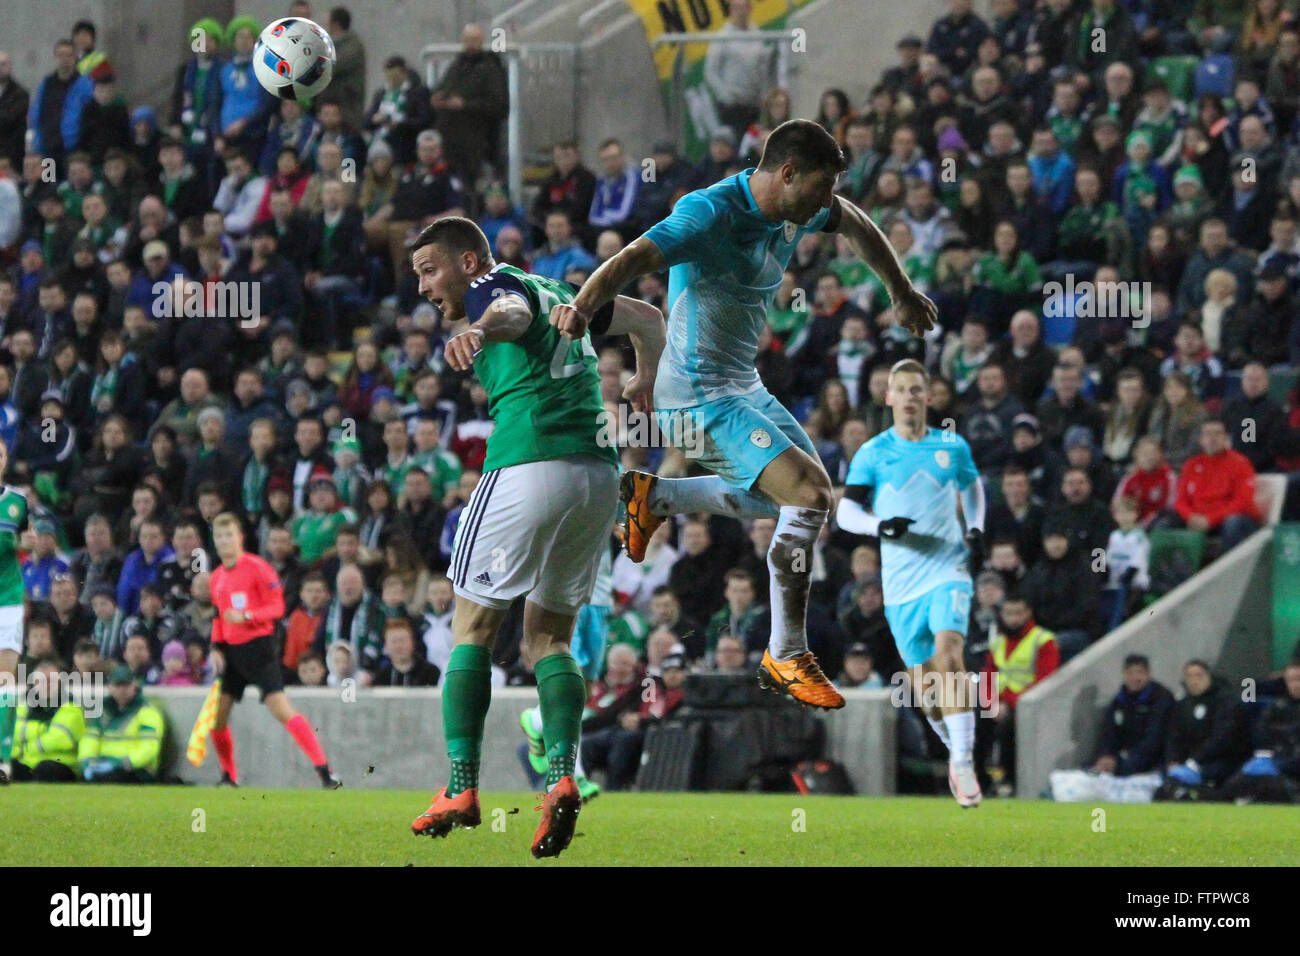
<point>71,825</point>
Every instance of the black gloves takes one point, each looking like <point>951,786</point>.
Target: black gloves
<point>894,527</point>
<point>975,543</point>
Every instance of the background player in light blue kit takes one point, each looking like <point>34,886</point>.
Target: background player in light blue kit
<point>904,486</point>
<point>728,247</point>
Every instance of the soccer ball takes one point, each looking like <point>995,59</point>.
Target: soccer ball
<point>294,59</point>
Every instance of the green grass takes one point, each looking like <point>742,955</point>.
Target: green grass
<point>123,826</point>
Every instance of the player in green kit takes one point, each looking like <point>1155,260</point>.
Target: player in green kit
<point>13,519</point>
<point>540,516</point>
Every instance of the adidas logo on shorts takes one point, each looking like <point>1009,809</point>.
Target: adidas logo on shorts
<point>483,579</point>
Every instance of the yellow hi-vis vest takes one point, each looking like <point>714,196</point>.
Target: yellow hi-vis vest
<point>1019,669</point>
<point>56,739</point>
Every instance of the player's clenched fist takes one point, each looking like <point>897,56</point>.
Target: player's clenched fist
<point>461,349</point>
<point>568,321</point>
<point>915,312</point>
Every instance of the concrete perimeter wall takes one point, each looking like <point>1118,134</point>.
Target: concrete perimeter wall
<point>392,738</point>
<point>1223,615</point>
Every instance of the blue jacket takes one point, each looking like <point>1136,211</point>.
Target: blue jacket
<point>242,97</point>
<point>79,95</point>
<point>554,265</point>
<point>1054,179</point>
<point>136,573</point>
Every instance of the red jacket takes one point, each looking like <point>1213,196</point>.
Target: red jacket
<point>1217,486</point>
<point>1153,490</point>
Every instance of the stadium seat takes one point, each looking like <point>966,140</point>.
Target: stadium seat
<point>1175,556</point>
<point>1214,75</point>
<point>1281,381</point>
<point>1177,72</point>
<point>1270,493</point>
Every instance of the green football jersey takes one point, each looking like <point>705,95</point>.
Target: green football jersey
<point>13,519</point>
<point>543,391</point>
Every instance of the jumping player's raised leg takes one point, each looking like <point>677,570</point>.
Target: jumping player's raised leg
<point>766,467</point>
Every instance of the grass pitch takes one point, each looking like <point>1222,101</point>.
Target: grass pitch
<point>78,825</point>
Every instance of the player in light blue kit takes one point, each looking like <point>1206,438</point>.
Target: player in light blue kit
<point>904,486</point>
<point>727,247</point>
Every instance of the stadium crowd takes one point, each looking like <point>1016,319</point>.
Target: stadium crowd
<point>1145,153</point>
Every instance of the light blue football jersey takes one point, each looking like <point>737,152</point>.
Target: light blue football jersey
<point>726,261</point>
<point>918,480</point>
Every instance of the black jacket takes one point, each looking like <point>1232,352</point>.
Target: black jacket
<point>1208,729</point>
<point>13,123</point>
<point>1134,728</point>
<point>341,253</point>
<point>1064,594</point>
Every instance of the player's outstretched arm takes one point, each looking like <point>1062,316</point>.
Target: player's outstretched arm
<point>916,312</point>
<point>637,258</point>
<point>505,320</point>
<point>644,325</point>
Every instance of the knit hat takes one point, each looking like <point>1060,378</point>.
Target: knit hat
<point>382,393</point>
<point>173,648</point>
<point>31,245</point>
<point>951,138</point>
<point>346,444</point>
<point>240,23</point>
<point>121,674</point>
<point>378,150</point>
<point>1189,173</point>
<point>1138,136</point>
<point>212,28</point>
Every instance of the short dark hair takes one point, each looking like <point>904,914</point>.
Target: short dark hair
<point>1137,660</point>
<point>804,144</point>
<point>455,234</point>
<point>342,17</point>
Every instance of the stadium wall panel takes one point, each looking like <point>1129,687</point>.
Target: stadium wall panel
<point>1223,615</point>
<point>392,738</point>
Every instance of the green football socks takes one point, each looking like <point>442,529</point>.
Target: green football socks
<point>563,693</point>
<point>466,694</point>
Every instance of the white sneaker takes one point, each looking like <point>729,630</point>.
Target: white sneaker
<point>963,783</point>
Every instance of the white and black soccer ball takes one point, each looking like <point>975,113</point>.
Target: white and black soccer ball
<point>294,59</point>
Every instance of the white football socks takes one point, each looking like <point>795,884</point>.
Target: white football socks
<point>789,568</point>
<point>675,496</point>
<point>961,728</point>
<point>941,729</point>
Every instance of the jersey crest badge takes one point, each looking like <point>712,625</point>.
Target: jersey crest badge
<point>760,438</point>
<point>238,600</point>
<point>789,229</point>
<point>943,458</point>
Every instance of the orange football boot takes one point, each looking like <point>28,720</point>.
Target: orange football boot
<point>559,819</point>
<point>801,678</point>
<point>634,491</point>
<point>447,813</point>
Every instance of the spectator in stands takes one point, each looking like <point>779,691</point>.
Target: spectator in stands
<point>1256,424</point>
<point>1019,515</point>
<point>1150,482</point>
<point>697,576</point>
<point>605,743</point>
<point>470,103</point>
<point>353,617</point>
<point>1063,590</point>
<point>245,105</point>
<point>1136,723</point>
<point>14,102</point>
<point>616,189</point>
<point>142,565</point>
<point>570,188</point>
<point>955,37</point>
<point>400,110</point>
<point>738,73</point>
<point>70,620</point>
<point>562,252</point>
<point>55,110</point>
<point>741,616</point>
<point>674,177</point>
<point>987,424</point>
<point>402,667</point>
<point>1216,490</point>
<point>348,87</point>
<point>1024,358</point>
